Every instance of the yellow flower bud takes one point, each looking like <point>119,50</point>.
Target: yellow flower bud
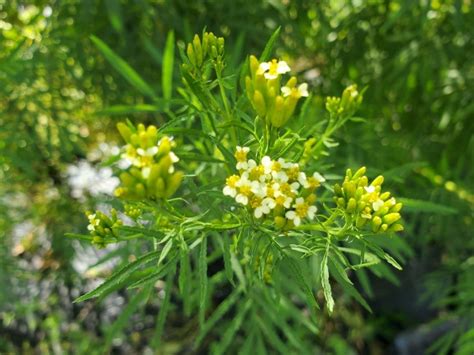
<point>280,222</point>
<point>254,64</point>
<point>259,104</point>
<point>391,218</point>
<point>190,54</point>
<point>376,222</point>
<point>277,118</point>
<point>397,227</point>
<point>197,50</point>
<point>351,205</point>
<point>173,183</point>
<point>124,131</point>
<point>397,207</point>
<point>377,181</point>
<point>360,172</point>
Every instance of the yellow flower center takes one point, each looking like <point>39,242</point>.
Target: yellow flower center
<point>256,172</point>
<point>293,173</point>
<point>302,209</point>
<point>241,155</point>
<point>232,180</point>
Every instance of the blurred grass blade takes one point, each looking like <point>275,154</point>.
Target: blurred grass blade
<point>425,206</point>
<point>269,46</point>
<point>123,68</point>
<point>114,11</point>
<point>202,267</point>
<point>167,69</point>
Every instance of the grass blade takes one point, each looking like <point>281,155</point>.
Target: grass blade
<point>124,68</point>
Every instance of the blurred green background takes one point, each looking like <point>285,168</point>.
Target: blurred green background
<point>60,100</point>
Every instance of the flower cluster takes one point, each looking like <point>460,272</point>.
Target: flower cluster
<point>101,227</point>
<point>151,173</point>
<point>198,51</point>
<point>273,188</point>
<point>274,104</point>
<point>367,203</point>
<point>345,105</point>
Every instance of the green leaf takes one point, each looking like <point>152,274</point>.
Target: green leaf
<point>227,259</point>
<point>166,249</point>
<point>123,68</point>
<point>114,11</point>
<point>425,206</point>
<point>341,278</point>
<point>302,281</point>
<point>79,236</point>
<point>185,281</point>
<point>269,46</point>
<point>120,276</point>
<point>128,109</point>
<point>168,64</point>
<point>202,268</point>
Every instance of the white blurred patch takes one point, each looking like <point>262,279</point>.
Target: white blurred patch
<point>84,178</point>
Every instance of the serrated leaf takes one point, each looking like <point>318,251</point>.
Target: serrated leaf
<point>326,285</point>
<point>185,281</point>
<point>120,275</point>
<point>227,259</point>
<point>124,68</point>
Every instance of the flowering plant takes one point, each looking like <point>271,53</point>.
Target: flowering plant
<point>249,193</point>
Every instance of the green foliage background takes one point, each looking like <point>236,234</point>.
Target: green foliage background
<point>61,98</point>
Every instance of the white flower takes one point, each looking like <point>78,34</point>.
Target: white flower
<point>258,188</point>
<point>300,91</point>
<point>174,157</point>
<point>242,199</point>
<point>242,165</point>
<point>267,164</point>
<point>274,68</point>
<point>318,177</point>
<point>302,180</point>
<point>292,216</point>
<point>150,152</point>
<point>311,212</point>
<point>230,188</point>
<point>369,189</point>
<point>280,176</point>
<point>377,205</point>
<point>264,208</point>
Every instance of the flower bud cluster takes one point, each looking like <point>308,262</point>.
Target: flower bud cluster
<point>273,189</point>
<point>345,105</point>
<point>101,227</point>
<point>198,51</point>
<point>273,103</point>
<point>367,203</point>
<point>151,173</point>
